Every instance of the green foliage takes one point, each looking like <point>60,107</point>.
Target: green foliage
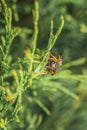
<point>29,98</point>
<point>17,77</point>
<point>10,32</point>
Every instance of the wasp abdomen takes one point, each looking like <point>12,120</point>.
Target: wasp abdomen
<point>52,66</point>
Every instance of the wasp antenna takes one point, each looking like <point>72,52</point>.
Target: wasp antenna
<point>62,54</point>
<point>60,59</point>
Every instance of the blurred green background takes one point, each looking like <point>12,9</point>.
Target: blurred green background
<point>56,102</point>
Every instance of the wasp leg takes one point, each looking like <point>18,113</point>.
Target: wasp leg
<point>48,67</point>
<point>52,59</point>
<point>40,73</point>
<point>50,70</point>
<point>52,56</point>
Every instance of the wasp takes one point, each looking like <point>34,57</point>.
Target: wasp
<point>53,64</point>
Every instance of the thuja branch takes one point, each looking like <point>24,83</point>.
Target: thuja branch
<point>30,54</point>
<point>35,33</point>
<point>52,39</point>
<point>25,69</point>
<point>36,19</point>
<point>10,32</point>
